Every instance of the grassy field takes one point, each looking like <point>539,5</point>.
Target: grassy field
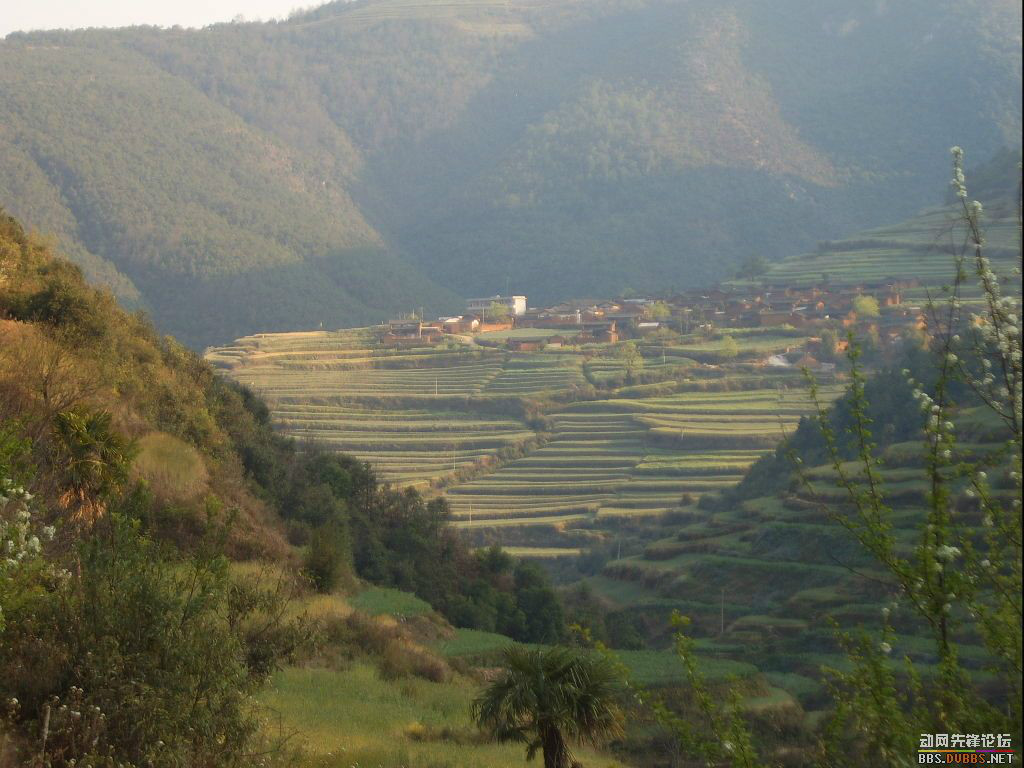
<point>648,668</point>
<point>376,601</point>
<point>349,713</point>
<point>529,334</point>
<point>352,717</point>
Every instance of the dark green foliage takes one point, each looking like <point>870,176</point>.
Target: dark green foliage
<point>621,629</point>
<point>329,555</point>
<point>752,267</point>
<point>512,598</point>
<point>625,631</point>
<point>537,602</point>
<point>62,303</point>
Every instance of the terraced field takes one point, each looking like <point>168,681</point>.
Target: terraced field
<point>627,457</point>
<point>407,447</point>
<point>533,374</point>
<point>450,419</point>
<point>339,389</point>
<point>580,469</point>
<point>918,248</point>
<point>306,368</point>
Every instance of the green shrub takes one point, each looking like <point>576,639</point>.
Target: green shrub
<point>402,660</point>
<point>328,558</point>
<point>157,654</point>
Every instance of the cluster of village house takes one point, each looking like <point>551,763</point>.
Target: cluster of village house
<point>719,309</point>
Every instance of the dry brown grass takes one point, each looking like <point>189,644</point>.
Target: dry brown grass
<point>174,470</point>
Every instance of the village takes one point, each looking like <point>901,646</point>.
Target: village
<point>823,313</point>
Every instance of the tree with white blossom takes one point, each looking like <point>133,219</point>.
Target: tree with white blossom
<point>964,583</point>
<point>22,532</point>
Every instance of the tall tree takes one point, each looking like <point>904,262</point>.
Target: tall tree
<point>632,360</point>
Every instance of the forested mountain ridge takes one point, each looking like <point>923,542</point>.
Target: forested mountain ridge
<point>369,157</point>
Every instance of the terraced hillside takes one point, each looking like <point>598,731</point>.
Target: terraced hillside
<point>631,456</point>
<point>764,578</point>
<point>528,447</point>
<point>334,388</point>
<point>409,447</point>
<point>918,248</point>
<point>524,375</point>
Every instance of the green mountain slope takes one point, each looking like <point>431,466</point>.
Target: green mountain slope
<point>920,248</point>
<point>373,156</point>
<point>218,225</point>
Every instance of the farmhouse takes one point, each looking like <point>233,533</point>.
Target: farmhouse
<point>411,333</point>
<point>407,329</point>
<point>630,312</point>
<point>459,324</point>
<point>525,345</point>
<point>603,332</point>
<point>488,326</point>
<point>516,305</point>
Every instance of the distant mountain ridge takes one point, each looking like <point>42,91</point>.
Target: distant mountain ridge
<point>370,157</point>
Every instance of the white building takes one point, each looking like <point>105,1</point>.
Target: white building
<point>516,304</point>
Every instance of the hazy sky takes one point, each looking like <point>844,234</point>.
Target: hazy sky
<point>51,14</point>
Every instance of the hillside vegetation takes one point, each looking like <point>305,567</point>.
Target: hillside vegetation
<point>367,157</point>
<point>152,520</point>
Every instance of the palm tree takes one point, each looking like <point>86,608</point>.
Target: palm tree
<point>545,697</point>
<point>95,460</point>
